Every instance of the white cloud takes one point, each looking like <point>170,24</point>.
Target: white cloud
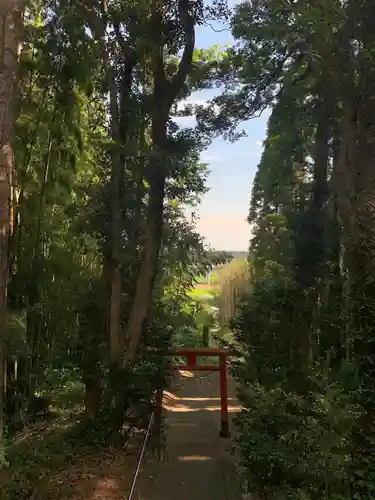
<point>259,143</point>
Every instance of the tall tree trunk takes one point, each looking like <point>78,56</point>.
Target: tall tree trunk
<point>333,340</point>
<point>356,171</point>
<point>164,93</point>
<point>10,24</point>
<point>156,177</point>
<point>115,331</point>
<point>354,179</point>
<point>113,271</point>
<point>310,247</point>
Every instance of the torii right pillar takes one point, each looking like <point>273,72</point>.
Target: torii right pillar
<point>224,432</point>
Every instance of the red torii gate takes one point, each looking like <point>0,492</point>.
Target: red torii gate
<point>191,353</point>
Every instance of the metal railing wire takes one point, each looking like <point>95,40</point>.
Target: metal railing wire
<point>136,473</point>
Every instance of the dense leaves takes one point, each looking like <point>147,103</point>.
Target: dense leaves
<point>306,328</point>
<point>100,254</point>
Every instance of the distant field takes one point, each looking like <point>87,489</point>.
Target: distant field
<point>203,287</point>
<point>214,276</point>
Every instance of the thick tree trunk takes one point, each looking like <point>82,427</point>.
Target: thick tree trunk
<point>164,93</point>
<point>113,270</point>
<point>153,238</point>
<point>310,270</point>
<point>354,180</point>
<point>10,23</point>
<point>332,337</point>
<point>115,331</point>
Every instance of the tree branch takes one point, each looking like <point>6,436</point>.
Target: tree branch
<point>185,65</point>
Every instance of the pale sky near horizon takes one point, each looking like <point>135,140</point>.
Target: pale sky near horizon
<point>224,208</point>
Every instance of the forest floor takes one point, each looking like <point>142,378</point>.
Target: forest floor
<point>195,463</point>
<point>51,465</point>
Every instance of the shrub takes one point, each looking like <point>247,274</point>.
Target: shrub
<point>295,447</point>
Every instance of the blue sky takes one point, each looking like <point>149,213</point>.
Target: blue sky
<point>224,208</point>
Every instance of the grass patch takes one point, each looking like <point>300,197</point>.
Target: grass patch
<point>202,292</point>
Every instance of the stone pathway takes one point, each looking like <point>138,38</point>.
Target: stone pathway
<point>197,465</point>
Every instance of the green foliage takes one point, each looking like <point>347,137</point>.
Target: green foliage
<point>295,447</point>
<point>62,248</point>
<point>304,326</point>
<point>301,360</point>
<point>30,461</point>
<point>296,427</point>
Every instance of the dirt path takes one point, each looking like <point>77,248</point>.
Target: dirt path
<point>197,464</point>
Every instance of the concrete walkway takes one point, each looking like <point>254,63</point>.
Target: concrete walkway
<point>197,465</point>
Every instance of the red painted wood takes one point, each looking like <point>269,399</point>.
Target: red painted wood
<point>224,394</point>
<point>192,359</point>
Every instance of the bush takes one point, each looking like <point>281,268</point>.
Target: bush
<point>295,447</point>
<point>295,431</point>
